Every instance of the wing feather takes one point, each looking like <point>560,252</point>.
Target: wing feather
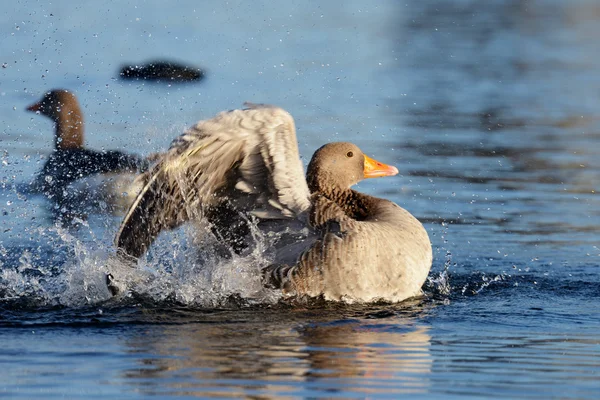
<point>248,157</point>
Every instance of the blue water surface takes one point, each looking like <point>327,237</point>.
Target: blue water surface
<point>491,112</point>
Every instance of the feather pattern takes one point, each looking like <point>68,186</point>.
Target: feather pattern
<point>248,158</point>
<point>385,256</point>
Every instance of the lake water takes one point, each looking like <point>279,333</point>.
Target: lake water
<point>490,110</point>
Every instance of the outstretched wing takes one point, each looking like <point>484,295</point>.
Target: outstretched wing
<point>249,157</point>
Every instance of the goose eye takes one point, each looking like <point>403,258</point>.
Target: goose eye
<point>349,154</point>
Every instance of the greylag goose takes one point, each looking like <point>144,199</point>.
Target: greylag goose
<point>243,166</point>
<point>70,160</point>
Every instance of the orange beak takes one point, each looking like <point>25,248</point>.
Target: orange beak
<point>35,107</point>
<point>375,169</point>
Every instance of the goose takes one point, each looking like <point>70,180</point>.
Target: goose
<point>162,70</point>
<point>243,166</point>
<point>70,161</point>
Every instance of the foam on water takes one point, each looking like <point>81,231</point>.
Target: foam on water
<point>181,268</point>
<point>190,266</point>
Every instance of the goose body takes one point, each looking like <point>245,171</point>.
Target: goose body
<point>243,166</point>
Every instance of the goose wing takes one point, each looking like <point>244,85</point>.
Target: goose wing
<point>248,158</point>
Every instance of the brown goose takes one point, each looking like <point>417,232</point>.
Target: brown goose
<point>70,160</point>
<point>244,165</point>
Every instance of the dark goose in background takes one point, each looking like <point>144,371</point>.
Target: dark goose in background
<point>162,71</point>
<point>70,160</point>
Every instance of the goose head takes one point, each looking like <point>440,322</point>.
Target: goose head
<point>342,165</point>
<point>62,107</point>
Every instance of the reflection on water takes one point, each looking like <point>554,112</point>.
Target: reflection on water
<point>349,356</point>
<point>373,351</point>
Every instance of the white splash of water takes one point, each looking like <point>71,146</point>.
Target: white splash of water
<point>181,268</point>
<point>197,270</point>
<point>441,282</point>
<point>40,280</point>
